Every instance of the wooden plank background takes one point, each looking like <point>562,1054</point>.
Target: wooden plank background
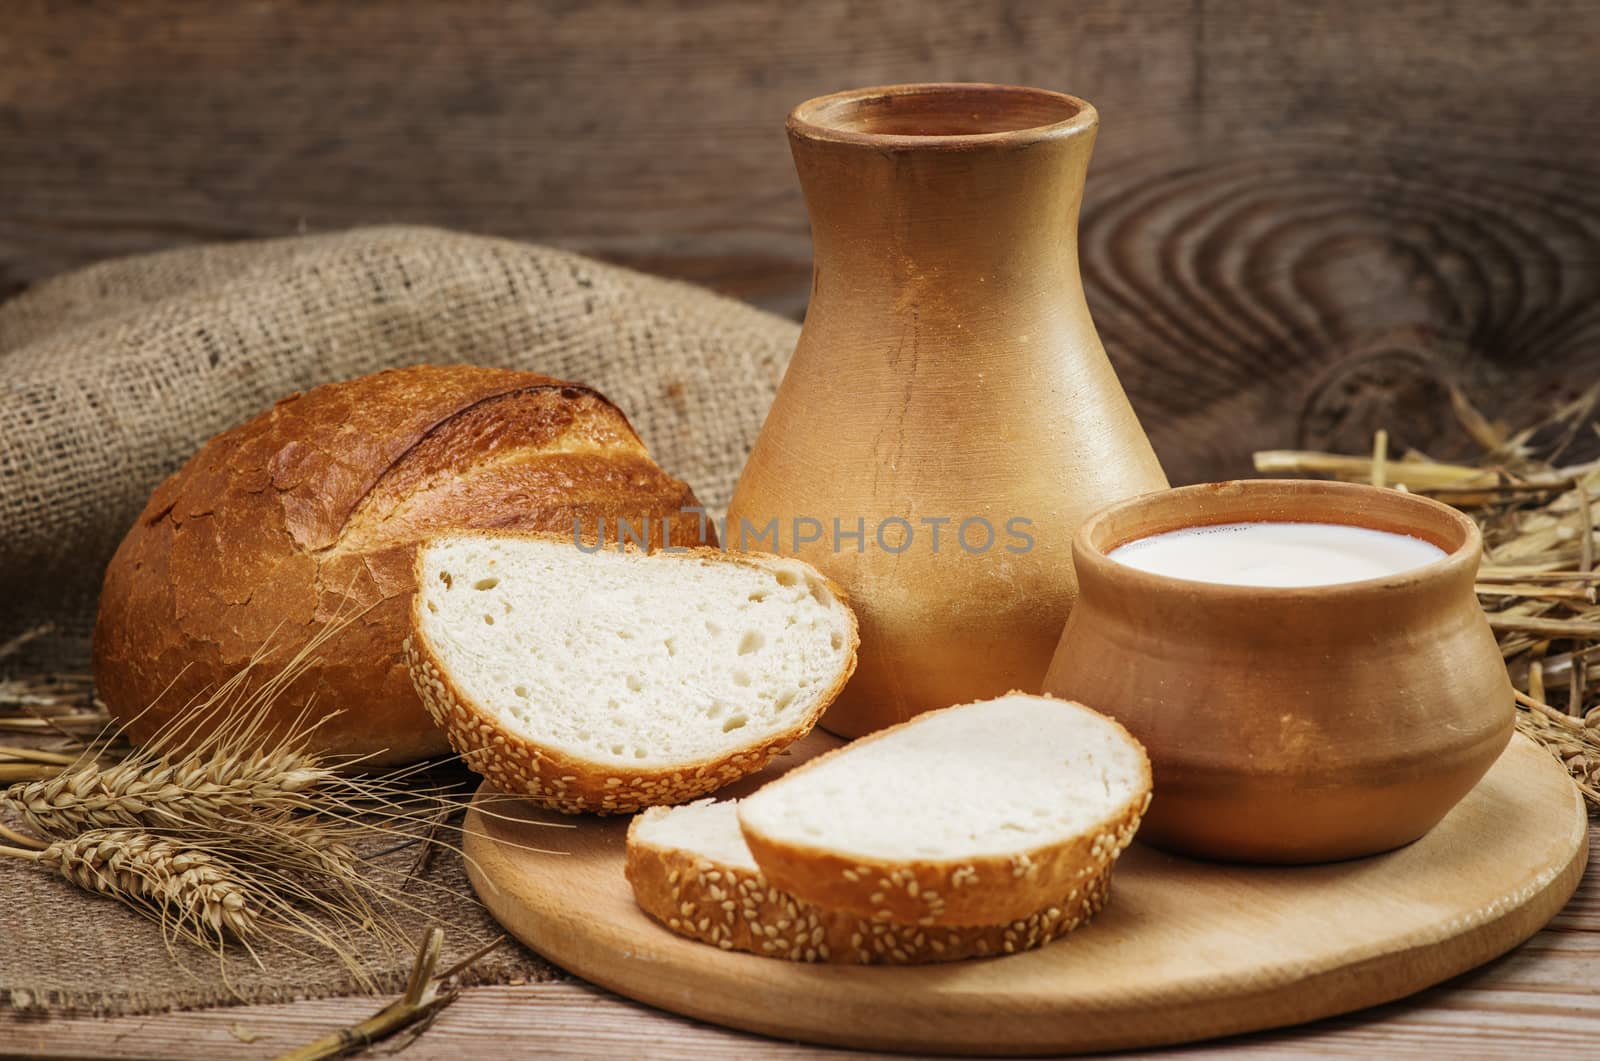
<point>1304,221</point>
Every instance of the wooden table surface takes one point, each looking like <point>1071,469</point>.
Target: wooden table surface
<point>1540,1001</point>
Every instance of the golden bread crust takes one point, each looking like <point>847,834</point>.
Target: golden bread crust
<point>736,908</point>
<point>973,891</point>
<point>311,513</point>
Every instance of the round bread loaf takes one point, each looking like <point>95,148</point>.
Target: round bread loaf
<point>311,513</point>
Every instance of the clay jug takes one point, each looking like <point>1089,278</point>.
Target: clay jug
<point>949,417</point>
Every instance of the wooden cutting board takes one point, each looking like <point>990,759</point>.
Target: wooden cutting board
<point>1185,950</point>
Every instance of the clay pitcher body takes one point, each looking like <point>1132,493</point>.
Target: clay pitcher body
<point>949,417</point>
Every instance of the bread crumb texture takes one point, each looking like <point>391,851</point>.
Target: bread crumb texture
<point>972,815</point>
<point>612,680</point>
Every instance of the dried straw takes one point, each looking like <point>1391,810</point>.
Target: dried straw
<point>34,703</point>
<point>1538,582</point>
<point>426,993</point>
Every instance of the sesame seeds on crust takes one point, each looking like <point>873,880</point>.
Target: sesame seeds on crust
<point>734,908</point>
<point>979,891</point>
<point>941,891</point>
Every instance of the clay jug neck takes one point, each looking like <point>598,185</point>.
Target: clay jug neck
<point>918,187</point>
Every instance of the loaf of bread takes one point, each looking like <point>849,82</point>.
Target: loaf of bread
<point>311,512</point>
<point>611,680</point>
<point>972,815</point>
<point>691,871</point>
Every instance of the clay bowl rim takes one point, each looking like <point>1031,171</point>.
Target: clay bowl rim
<point>1460,561</point>
<point>810,120</point>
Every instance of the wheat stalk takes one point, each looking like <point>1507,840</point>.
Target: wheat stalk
<point>263,799</point>
<point>189,891</point>
<point>228,832</point>
<point>144,791</point>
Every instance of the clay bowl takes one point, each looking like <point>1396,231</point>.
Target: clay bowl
<point>1290,724</point>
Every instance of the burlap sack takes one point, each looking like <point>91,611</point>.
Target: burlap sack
<point>114,374</point>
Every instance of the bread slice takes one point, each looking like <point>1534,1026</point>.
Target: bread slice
<point>971,815</point>
<point>612,680</point>
<point>690,870</point>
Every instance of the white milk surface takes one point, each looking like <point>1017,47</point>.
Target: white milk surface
<point>1277,554</point>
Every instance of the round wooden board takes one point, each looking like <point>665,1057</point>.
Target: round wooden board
<point>1186,950</point>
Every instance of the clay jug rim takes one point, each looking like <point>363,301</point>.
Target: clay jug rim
<point>1253,500</point>
<point>970,115</point>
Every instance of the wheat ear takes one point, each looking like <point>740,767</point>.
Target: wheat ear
<point>139,792</point>
<point>188,891</point>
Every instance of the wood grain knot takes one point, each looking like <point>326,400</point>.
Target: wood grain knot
<point>1307,296</point>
